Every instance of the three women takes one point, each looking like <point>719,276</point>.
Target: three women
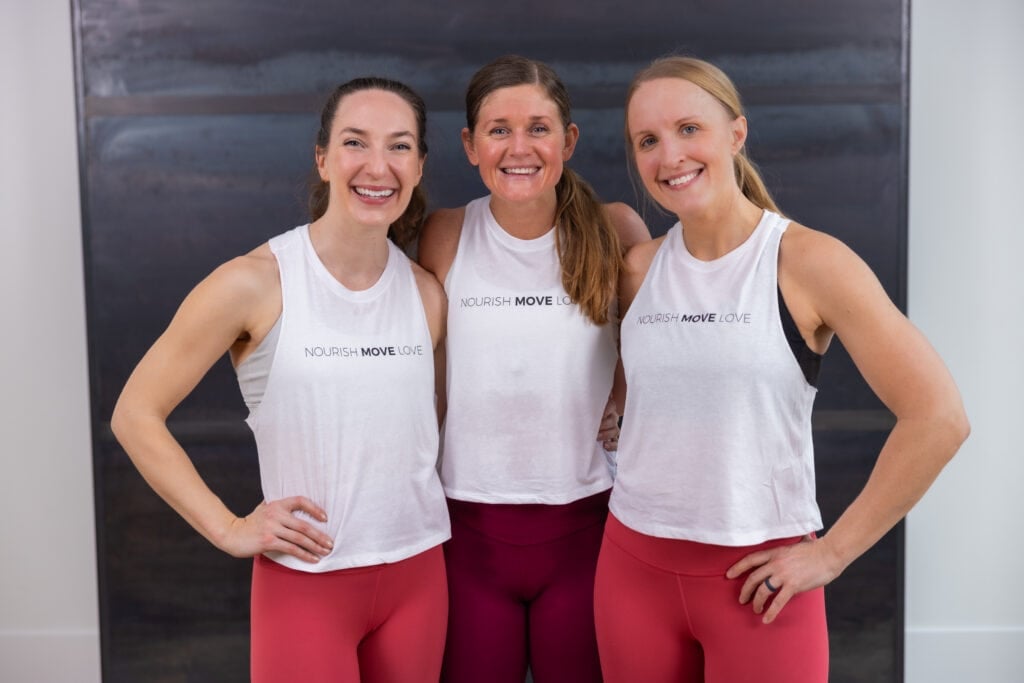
<point>714,506</point>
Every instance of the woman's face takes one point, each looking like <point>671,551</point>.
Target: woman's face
<point>372,161</point>
<point>683,141</point>
<point>519,143</point>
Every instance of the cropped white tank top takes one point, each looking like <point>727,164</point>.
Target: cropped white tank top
<point>347,416</point>
<point>528,375</point>
<point>716,436</point>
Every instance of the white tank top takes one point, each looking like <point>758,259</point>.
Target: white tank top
<point>347,417</point>
<point>528,374</point>
<point>716,436</point>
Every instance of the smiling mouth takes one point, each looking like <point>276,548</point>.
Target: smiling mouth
<point>521,170</point>
<point>373,194</point>
<point>683,179</point>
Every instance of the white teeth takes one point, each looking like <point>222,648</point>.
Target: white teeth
<point>376,194</point>
<point>519,171</point>
<point>683,179</point>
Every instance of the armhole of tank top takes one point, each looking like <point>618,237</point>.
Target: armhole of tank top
<point>279,323</point>
<point>417,297</point>
<point>808,360</point>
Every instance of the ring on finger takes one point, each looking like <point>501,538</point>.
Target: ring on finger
<point>772,588</point>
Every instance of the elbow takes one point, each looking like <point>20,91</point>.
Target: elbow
<point>954,427</point>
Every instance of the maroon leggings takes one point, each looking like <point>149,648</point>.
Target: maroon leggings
<point>666,613</point>
<point>521,591</point>
<point>384,623</point>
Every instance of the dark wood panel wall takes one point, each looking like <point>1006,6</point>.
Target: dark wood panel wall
<point>196,129</point>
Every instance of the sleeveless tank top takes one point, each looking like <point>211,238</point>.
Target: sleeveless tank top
<point>716,436</point>
<point>347,415</point>
<point>528,375</point>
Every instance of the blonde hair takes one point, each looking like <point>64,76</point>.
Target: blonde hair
<point>712,80</point>
<point>587,243</point>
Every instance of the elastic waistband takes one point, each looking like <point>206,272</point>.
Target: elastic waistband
<point>265,563</point>
<point>530,523</point>
<point>681,556</point>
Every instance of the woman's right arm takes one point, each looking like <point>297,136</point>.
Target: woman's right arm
<point>218,314</point>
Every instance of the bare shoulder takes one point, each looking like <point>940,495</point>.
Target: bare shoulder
<point>812,252</point>
<point>245,281</point>
<point>439,240</point>
<point>639,256</point>
<point>630,227</point>
<point>820,266</point>
<point>634,269</point>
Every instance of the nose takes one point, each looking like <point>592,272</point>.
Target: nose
<point>673,151</point>
<point>376,162</point>
<point>520,143</point>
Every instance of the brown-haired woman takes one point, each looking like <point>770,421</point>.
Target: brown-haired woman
<point>530,272</point>
<point>331,330</point>
<point>726,320</point>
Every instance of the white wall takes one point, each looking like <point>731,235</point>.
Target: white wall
<point>48,605</point>
<point>965,541</point>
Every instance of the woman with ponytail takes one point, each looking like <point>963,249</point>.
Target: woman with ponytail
<point>330,328</point>
<point>710,570</point>
<point>530,272</point>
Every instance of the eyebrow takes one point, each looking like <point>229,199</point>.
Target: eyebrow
<point>534,118</point>
<point>360,131</point>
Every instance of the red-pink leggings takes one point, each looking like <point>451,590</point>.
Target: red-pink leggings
<point>666,613</point>
<point>521,590</point>
<point>384,623</point>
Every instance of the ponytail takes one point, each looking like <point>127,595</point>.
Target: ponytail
<point>588,248</point>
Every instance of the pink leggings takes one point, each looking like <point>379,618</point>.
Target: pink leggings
<point>666,613</point>
<point>382,623</point>
<point>521,590</point>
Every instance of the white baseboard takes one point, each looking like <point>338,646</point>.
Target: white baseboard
<point>49,657</point>
<point>965,655</point>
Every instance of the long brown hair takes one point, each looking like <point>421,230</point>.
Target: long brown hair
<point>407,227</point>
<point>587,243</point>
<point>713,80</point>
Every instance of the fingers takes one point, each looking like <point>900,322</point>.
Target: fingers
<point>306,505</point>
<point>281,530</point>
<point>749,562</point>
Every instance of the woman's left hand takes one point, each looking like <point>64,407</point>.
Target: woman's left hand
<point>608,431</point>
<point>788,569</point>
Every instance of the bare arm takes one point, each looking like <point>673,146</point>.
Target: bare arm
<point>834,291</point>
<point>439,241</point>
<point>630,227</point>
<point>634,269</point>
<point>222,312</point>
<point>631,231</point>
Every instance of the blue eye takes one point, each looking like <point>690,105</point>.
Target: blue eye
<point>538,129</point>
<point>499,131</point>
<point>688,129</point>
<point>646,141</point>
<point>352,143</point>
<point>402,146</point>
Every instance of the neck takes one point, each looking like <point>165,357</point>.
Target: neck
<point>355,255</point>
<point>715,232</point>
<point>526,220</point>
